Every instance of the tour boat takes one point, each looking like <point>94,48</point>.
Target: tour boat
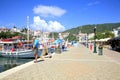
<point>20,49</point>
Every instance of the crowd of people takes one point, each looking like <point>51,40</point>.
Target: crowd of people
<point>46,49</point>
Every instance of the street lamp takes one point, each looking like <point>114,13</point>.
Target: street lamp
<point>95,40</point>
<point>28,28</point>
<point>87,40</point>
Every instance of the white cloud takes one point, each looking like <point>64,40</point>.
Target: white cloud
<point>11,24</point>
<point>55,26</point>
<point>46,11</point>
<point>51,26</point>
<point>93,3</point>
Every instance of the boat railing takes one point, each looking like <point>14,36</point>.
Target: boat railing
<point>15,50</point>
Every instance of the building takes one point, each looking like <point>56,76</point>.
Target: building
<point>116,32</point>
<point>83,37</point>
<point>14,29</point>
<point>4,30</point>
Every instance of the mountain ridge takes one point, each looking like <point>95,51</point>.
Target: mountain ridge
<point>89,28</point>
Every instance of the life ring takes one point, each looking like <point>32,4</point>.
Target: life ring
<point>20,44</point>
<point>12,49</point>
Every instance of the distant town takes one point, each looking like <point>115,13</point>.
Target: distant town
<point>80,36</point>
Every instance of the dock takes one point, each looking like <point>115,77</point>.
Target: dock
<point>78,63</point>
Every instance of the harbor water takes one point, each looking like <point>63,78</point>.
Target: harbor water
<point>8,63</point>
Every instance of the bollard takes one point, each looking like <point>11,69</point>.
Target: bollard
<point>56,50</point>
<point>100,50</point>
<point>59,51</point>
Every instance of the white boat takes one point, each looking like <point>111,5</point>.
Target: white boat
<point>11,49</point>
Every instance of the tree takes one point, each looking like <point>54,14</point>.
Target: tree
<point>100,35</point>
<point>5,35</point>
<point>8,34</point>
<point>71,37</point>
<point>89,28</point>
<point>2,35</point>
<point>14,27</point>
<point>109,34</point>
<point>24,30</point>
<point>55,35</point>
<point>16,34</point>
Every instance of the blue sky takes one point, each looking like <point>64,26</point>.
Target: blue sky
<point>58,15</point>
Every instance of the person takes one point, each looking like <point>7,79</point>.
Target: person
<point>66,45</point>
<point>45,51</point>
<point>35,48</point>
<point>41,51</point>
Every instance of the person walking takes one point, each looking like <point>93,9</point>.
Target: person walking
<point>35,48</point>
<point>42,51</point>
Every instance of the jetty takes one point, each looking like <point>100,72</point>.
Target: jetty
<point>78,63</point>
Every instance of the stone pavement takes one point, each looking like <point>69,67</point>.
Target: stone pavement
<point>78,63</point>
<point>112,54</point>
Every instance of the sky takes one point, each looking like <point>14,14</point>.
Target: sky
<point>57,15</point>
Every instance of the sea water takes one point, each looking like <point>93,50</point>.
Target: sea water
<point>8,63</point>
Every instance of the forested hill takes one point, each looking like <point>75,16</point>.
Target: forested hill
<point>99,28</point>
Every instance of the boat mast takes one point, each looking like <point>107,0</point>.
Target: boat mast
<point>28,28</point>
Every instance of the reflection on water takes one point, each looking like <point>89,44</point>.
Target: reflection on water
<point>8,63</point>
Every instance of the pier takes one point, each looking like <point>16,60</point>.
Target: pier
<point>78,63</point>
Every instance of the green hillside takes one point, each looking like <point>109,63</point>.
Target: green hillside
<point>89,28</point>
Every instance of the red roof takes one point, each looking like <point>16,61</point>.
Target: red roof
<point>17,37</point>
<point>8,39</point>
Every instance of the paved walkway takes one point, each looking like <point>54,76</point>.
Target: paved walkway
<point>112,54</point>
<point>76,64</point>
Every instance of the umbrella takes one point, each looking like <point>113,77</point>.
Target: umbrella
<point>58,41</point>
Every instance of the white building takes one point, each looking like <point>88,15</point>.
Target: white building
<point>116,31</point>
<point>37,33</point>
<point>82,37</point>
<point>14,29</point>
<point>91,35</point>
<point>4,29</point>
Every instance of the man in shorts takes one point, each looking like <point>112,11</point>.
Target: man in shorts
<point>35,48</point>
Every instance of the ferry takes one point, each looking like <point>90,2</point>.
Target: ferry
<point>14,48</point>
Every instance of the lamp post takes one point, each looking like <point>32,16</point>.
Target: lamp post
<point>87,40</point>
<point>95,40</point>
<point>28,28</point>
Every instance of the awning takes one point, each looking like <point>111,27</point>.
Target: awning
<point>116,38</point>
<point>58,41</point>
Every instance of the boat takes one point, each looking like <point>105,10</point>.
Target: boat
<point>19,49</point>
<point>16,46</point>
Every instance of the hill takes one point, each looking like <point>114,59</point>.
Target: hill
<point>99,28</point>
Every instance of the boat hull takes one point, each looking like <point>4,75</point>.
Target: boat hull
<point>20,54</point>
